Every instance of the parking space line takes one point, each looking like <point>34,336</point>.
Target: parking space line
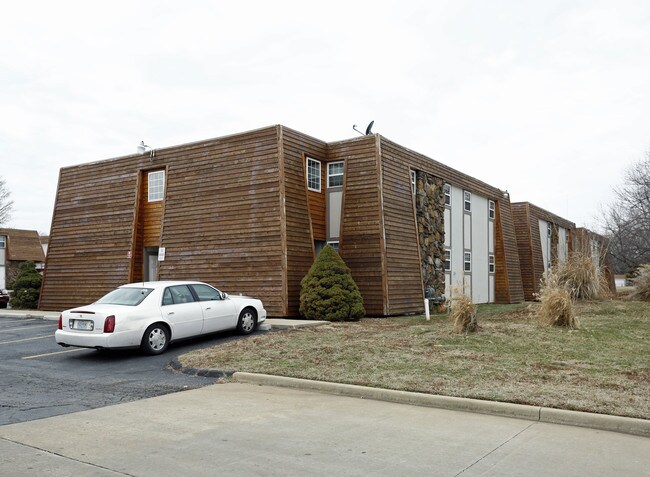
<point>28,328</point>
<point>16,321</point>
<point>56,352</point>
<point>26,339</point>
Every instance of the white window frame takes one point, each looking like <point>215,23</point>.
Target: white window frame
<point>413,181</point>
<point>446,264</point>
<point>549,229</point>
<point>312,161</point>
<point>491,263</point>
<point>330,175</point>
<point>3,241</point>
<point>467,201</point>
<point>156,193</point>
<point>334,244</point>
<point>491,209</point>
<point>447,189</point>
<point>467,262</point>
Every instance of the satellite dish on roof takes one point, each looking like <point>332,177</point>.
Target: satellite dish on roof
<point>368,129</point>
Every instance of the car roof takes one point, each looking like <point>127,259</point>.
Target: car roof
<point>161,284</point>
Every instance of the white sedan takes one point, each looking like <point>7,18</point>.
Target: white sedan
<point>150,315</point>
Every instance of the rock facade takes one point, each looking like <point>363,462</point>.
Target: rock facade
<point>430,214</point>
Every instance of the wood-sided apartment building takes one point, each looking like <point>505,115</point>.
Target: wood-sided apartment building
<point>249,212</point>
<point>545,239</point>
<point>18,246</point>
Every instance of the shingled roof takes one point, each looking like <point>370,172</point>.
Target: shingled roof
<point>23,245</point>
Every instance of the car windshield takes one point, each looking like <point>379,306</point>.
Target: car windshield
<point>125,296</point>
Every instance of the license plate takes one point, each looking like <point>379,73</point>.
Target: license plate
<point>86,325</point>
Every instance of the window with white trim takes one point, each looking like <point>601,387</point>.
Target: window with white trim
<point>313,174</point>
<point>548,229</point>
<point>3,241</point>
<point>156,186</point>
<point>467,262</point>
<point>335,174</point>
<point>414,185</point>
<point>447,263</point>
<point>447,188</point>
<point>491,209</point>
<point>334,244</point>
<point>491,263</point>
<point>467,196</point>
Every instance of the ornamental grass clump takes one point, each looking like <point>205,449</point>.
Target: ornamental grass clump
<point>463,314</point>
<point>581,277</point>
<point>328,291</point>
<point>642,284</point>
<point>557,301</point>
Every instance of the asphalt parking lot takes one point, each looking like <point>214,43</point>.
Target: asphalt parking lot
<point>38,378</point>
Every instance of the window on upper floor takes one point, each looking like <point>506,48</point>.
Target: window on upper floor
<point>491,209</point>
<point>335,174</point>
<point>467,196</point>
<point>414,183</point>
<point>447,263</point>
<point>313,174</point>
<point>491,263</point>
<point>156,186</point>
<point>447,188</point>
<point>3,241</point>
<point>549,229</point>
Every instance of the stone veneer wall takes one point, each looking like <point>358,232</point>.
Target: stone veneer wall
<point>430,214</point>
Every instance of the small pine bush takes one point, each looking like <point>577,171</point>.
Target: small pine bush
<point>26,287</point>
<point>328,291</point>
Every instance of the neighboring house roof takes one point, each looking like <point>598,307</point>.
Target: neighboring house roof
<point>23,245</point>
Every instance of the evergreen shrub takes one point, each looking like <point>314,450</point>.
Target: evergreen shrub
<point>26,287</point>
<point>328,291</point>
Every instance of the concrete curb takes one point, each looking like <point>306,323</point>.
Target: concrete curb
<point>626,425</point>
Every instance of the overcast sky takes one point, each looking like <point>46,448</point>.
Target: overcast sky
<point>547,99</point>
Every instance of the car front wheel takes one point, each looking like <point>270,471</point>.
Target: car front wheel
<point>247,322</point>
<point>155,339</point>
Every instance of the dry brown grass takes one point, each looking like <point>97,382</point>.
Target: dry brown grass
<point>463,314</point>
<point>557,308</point>
<point>598,368</point>
<point>642,284</point>
<point>580,276</point>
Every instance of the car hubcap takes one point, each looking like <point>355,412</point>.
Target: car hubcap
<point>157,339</point>
<point>247,322</point>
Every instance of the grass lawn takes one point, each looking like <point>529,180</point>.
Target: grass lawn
<point>603,367</point>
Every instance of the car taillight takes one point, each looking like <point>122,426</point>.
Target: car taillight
<point>60,322</point>
<point>109,324</point>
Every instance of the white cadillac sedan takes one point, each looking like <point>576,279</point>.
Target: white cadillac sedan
<point>150,315</point>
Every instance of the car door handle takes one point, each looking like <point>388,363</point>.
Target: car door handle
<point>170,313</point>
<point>208,308</point>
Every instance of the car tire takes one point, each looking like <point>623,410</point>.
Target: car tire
<point>247,321</point>
<point>155,339</point>
<point>3,305</point>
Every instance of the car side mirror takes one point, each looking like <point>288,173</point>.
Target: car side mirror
<point>224,295</point>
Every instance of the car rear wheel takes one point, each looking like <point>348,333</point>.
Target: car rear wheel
<point>247,321</point>
<point>155,339</point>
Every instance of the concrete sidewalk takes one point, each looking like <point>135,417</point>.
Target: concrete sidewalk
<point>244,429</point>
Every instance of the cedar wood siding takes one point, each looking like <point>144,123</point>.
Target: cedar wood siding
<point>299,214</point>
<point>403,266</point>
<point>397,160</point>
<point>91,233</point>
<point>361,242</point>
<point>527,217</point>
<point>222,218</point>
<point>221,221</point>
